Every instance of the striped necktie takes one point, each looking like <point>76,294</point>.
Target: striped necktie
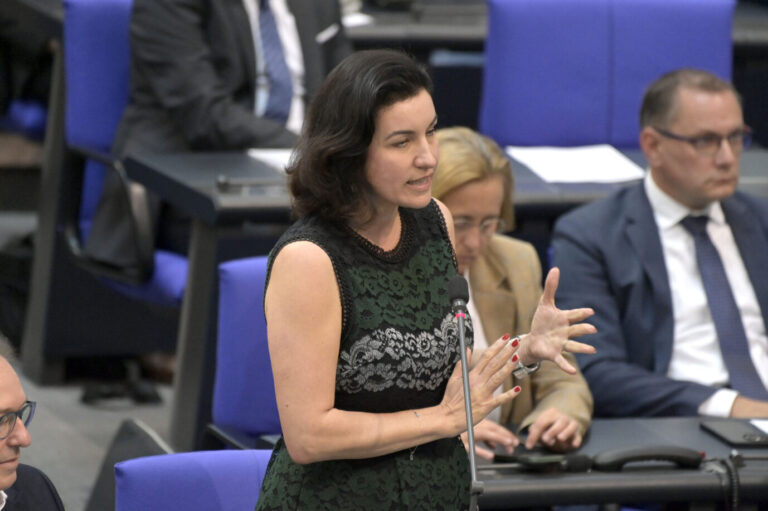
<point>725,313</point>
<point>280,85</point>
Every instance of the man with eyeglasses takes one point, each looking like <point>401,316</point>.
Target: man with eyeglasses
<point>22,488</point>
<point>675,267</point>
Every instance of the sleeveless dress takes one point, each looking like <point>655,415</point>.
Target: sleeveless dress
<point>399,345</point>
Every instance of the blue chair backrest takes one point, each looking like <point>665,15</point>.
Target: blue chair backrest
<point>97,69</point>
<point>227,480</point>
<point>244,391</point>
<point>573,72</point>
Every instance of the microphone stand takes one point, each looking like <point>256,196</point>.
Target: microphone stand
<point>476,487</point>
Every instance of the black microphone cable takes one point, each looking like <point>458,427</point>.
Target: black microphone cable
<point>727,470</point>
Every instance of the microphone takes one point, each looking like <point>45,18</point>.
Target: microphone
<point>458,292</point>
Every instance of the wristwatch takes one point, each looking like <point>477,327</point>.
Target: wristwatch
<point>522,371</point>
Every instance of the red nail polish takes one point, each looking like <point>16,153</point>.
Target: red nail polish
<point>517,389</point>
<point>505,338</point>
<point>515,343</point>
<point>515,357</point>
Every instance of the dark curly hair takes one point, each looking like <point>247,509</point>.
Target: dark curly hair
<point>327,172</point>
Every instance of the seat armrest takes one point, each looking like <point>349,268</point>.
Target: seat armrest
<point>233,438</point>
<point>72,187</point>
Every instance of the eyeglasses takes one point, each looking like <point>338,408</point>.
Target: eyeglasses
<point>709,144</point>
<point>487,227</point>
<point>8,421</point>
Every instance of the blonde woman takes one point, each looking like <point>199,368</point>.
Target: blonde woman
<point>474,180</point>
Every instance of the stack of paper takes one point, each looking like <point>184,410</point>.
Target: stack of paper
<point>276,158</point>
<point>585,164</point>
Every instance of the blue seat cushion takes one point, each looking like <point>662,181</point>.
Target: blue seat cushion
<point>166,287</point>
<point>25,117</point>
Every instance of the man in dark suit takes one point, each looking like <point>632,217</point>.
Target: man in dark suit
<point>22,487</point>
<point>202,79</point>
<point>663,347</point>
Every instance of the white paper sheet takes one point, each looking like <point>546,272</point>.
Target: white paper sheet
<point>585,164</point>
<point>356,19</point>
<point>276,158</point>
<point>761,424</point>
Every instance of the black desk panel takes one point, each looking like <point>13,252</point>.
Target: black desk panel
<point>43,16</point>
<point>250,190</point>
<point>464,27</point>
<point>448,26</point>
<point>638,482</point>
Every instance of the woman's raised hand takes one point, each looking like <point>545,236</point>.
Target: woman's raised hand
<point>495,366</point>
<point>552,329</point>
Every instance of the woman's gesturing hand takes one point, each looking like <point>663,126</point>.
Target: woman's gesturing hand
<point>552,329</point>
<point>494,366</point>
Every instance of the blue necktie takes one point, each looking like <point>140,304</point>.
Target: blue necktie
<point>280,86</point>
<point>725,313</point>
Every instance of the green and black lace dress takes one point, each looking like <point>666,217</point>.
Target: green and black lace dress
<point>399,346</point>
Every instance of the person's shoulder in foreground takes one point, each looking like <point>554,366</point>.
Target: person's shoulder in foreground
<point>22,487</point>
<point>33,491</point>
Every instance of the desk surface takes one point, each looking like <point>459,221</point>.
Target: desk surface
<point>454,28</point>
<point>188,181</point>
<point>466,28</point>
<point>645,482</point>
<point>533,194</point>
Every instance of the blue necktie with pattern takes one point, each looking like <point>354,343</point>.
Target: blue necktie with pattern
<point>725,312</point>
<point>280,86</point>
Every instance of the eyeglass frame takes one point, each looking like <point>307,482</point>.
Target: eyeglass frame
<point>745,135</point>
<point>18,413</point>
<point>457,226</point>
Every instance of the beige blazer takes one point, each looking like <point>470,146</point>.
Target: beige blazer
<point>506,286</point>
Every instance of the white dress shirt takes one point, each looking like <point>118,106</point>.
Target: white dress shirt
<point>480,344</point>
<point>696,352</point>
<point>3,498</point>
<point>289,37</point>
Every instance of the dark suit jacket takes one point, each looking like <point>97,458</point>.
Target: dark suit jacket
<point>193,74</point>
<point>610,256</point>
<point>32,491</point>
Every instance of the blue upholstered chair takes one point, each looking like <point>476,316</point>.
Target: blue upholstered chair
<point>79,307</point>
<point>568,72</point>
<point>244,407</point>
<point>97,71</point>
<point>193,481</point>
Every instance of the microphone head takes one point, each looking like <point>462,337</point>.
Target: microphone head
<point>458,289</point>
